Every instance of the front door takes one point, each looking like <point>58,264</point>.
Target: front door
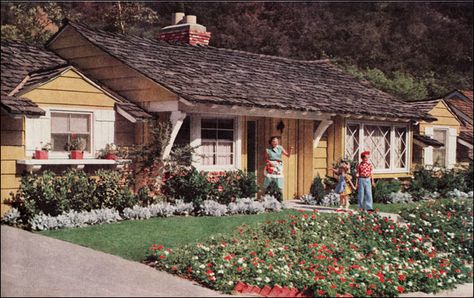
<point>251,146</point>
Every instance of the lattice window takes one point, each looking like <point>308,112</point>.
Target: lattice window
<point>377,140</point>
<point>388,144</point>
<point>400,147</point>
<point>352,141</point>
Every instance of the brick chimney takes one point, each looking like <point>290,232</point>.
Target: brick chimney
<point>184,29</point>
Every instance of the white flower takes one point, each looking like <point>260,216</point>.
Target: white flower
<point>267,279</point>
<point>202,266</point>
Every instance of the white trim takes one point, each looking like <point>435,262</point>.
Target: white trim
<point>126,115</point>
<point>214,109</point>
<point>392,126</point>
<point>161,106</point>
<point>176,119</point>
<point>464,143</point>
<point>196,140</point>
<point>318,133</point>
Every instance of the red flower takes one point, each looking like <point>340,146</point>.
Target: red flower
<point>381,276</point>
<point>270,253</point>
<point>321,292</point>
<point>429,275</point>
<point>190,269</point>
<point>160,247</point>
<point>293,232</point>
<point>174,268</point>
<point>240,269</point>
<point>401,277</point>
<point>333,286</point>
<point>400,289</point>
<point>209,265</point>
<point>458,270</point>
<point>162,257</point>
<point>369,292</point>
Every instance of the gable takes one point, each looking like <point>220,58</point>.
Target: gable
<point>108,70</point>
<point>69,88</point>
<point>444,116</point>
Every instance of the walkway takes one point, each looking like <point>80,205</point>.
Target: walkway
<point>35,265</point>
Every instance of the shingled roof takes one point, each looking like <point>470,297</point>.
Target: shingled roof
<point>205,74</point>
<point>24,67</point>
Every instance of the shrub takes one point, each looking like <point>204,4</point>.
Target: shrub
<point>332,199</point>
<point>73,219</point>
<point>399,197</point>
<point>317,188</point>
<point>212,208</point>
<point>274,191</point>
<point>187,185</point>
<point>12,217</point>
<point>468,174</point>
<point>137,212</point>
<point>271,204</point>
<point>183,208</point>
<point>78,189</point>
<point>383,189</point>
<point>163,209</point>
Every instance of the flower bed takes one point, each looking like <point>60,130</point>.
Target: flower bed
<point>73,219</point>
<point>356,254</point>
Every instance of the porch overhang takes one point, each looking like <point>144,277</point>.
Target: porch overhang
<point>236,110</point>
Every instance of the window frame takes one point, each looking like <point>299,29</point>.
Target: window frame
<point>64,153</point>
<point>196,140</point>
<point>446,147</point>
<point>392,126</point>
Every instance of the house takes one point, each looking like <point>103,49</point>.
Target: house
<point>230,102</point>
<point>44,100</point>
<point>446,142</point>
<point>461,104</point>
<point>435,143</point>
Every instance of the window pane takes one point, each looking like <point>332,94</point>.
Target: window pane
<point>226,135</point>
<point>209,134</point>
<point>208,152</point>
<point>352,142</point>
<point>58,142</point>
<point>87,139</point>
<point>400,147</point>
<point>224,153</point>
<point>439,154</point>
<point>209,123</point>
<point>226,123</point>
<point>59,123</point>
<point>377,140</point>
<point>79,123</point>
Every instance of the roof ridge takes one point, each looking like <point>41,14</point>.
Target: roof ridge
<point>157,41</point>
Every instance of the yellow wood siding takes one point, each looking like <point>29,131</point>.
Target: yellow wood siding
<point>70,89</point>
<point>298,168</point>
<point>12,148</point>
<point>321,157</point>
<point>243,129</point>
<point>335,141</point>
<point>444,116</point>
<point>118,76</point>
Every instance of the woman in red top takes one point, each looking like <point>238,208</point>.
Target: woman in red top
<point>365,182</point>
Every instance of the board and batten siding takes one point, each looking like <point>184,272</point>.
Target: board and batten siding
<point>12,149</point>
<point>298,168</point>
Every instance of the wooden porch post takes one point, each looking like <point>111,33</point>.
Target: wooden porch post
<point>176,118</point>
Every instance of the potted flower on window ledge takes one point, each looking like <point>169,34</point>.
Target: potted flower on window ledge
<point>109,152</point>
<point>77,147</point>
<point>43,153</point>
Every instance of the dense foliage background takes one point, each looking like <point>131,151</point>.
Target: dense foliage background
<point>413,50</point>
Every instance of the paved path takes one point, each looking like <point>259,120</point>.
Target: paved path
<point>35,265</point>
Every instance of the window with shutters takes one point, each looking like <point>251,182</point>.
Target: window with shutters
<point>387,143</point>
<point>66,126</point>
<point>439,154</point>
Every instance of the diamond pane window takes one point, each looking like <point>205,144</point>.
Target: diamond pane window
<point>388,144</point>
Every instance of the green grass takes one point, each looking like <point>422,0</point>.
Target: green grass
<point>389,208</point>
<point>131,239</point>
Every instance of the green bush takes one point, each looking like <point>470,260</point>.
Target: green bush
<point>427,180</point>
<point>72,190</point>
<point>383,189</point>
<point>110,194</point>
<point>186,185</point>
<point>192,186</point>
<point>317,189</point>
<point>275,191</point>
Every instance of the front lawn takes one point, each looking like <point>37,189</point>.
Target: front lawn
<point>131,239</point>
<point>389,208</point>
<point>358,254</point>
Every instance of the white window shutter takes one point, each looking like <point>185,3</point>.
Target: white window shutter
<point>451,147</point>
<point>428,151</point>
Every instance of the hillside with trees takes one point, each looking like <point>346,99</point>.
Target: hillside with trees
<point>413,50</point>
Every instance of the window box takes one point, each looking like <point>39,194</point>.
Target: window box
<point>33,165</point>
